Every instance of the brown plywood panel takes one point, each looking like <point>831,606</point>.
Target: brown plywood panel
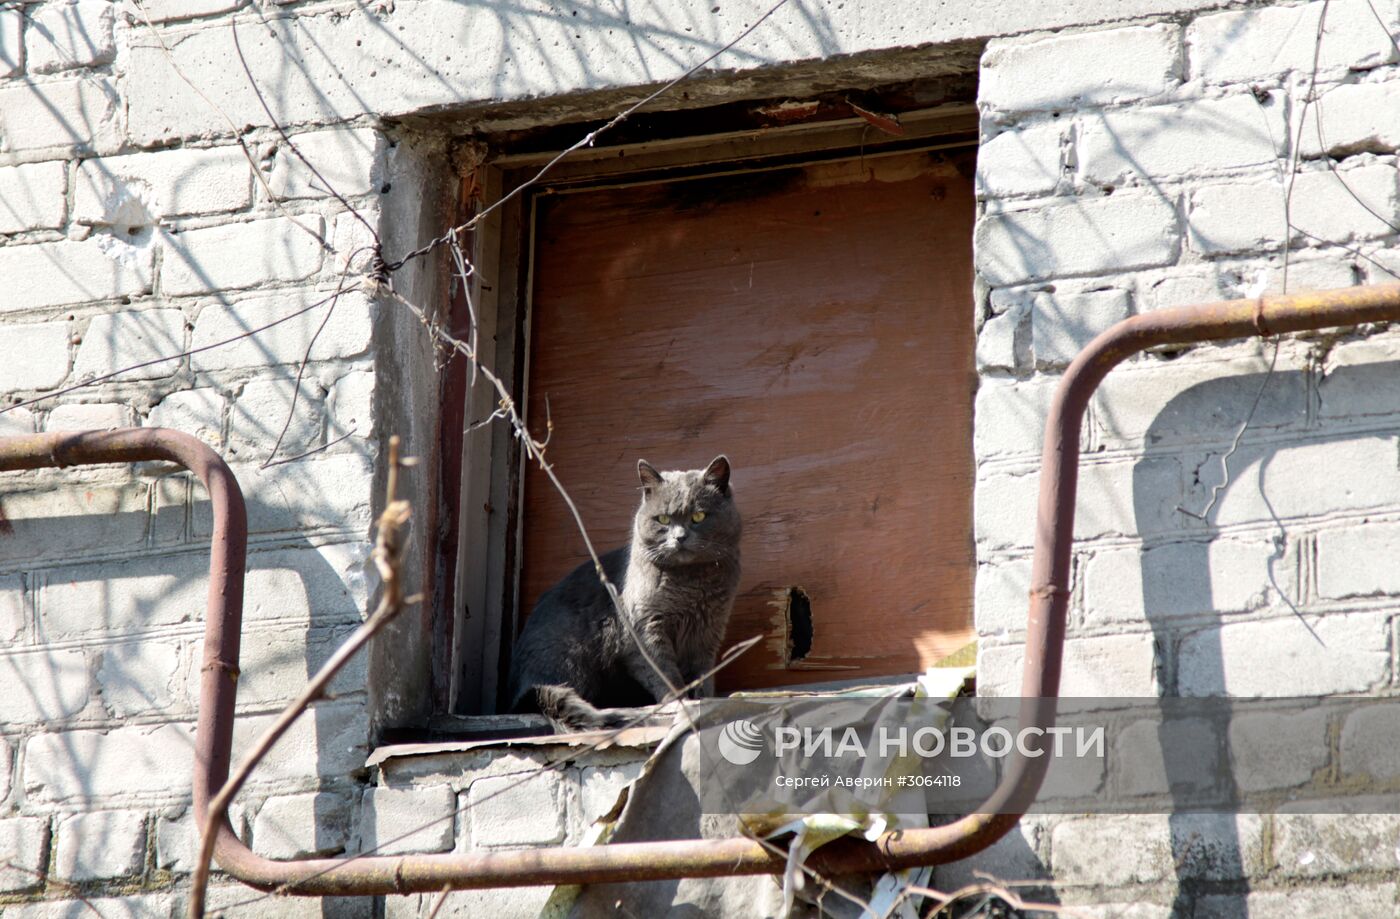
<point>816,325</point>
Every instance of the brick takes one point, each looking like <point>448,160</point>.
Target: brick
<point>121,341</point>
<point>56,274</point>
<point>1353,121</point>
<point>122,596</point>
<point>11,42</point>
<point>1218,847</point>
<point>169,10</point>
<point>1005,340</point>
<point>1176,756</point>
<point>1071,778</point>
<point>1237,218</point>
<point>1256,44</point>
<point>1021,161</point>
<point>1369,738</point>
<point>1110,665</point>
<point>1361,474</point>
<point>398,821</point>
<point>350,160</point>
<point>16,421</point>
<point>43,523</point>
<point>143,188</point>
<point>1111,65</point>
<point>33,356</point>
<point>239,255</point>
<point>1271,751</point>
<point>1311,274</point>
<point>1197,137</point>
<point>1113,850</point>
<point>138,594</point>
<point>1309,845</point>
<point>32,196</point>
<point>1179,579</point>
<point>177,842</point>
<point>1326,205</point>
<point>525,809</point>
<point>1139,910</point>
<point>1180,290</point>
<point>237,901</point>
<point>1354,899</point>
<point>1359,379</point>
<point>67,35</point>
<point>351,405</point>
<point>346,335</point>
<point>319,491</point>
<point>132,906</point>
<point>1348,653</point>
<point>1089,236</point>
<point>24,842</point>
<point>14,612</point>
<point>599,787</point>
<point>195,411</point>
<point>104,844</point>
<point>1010,417</point>
<point>1003,596</point>
<point>1358,561</point>
<point>328,742</point>
<point>1128,498</point>
<point>154,763</point>
<point>1198,401</point>
<point>275,668</point>
<point>261,410</point>
<point>88,766</point>
<point>302,826</point>
<point>500,901</point>
<point>47,686</point>
<point>169,509</point>
<point>1004,510</point>
<point>87,416</point>
<point>1063,323</point>
<point>64,115</point>
<point>138,678</point>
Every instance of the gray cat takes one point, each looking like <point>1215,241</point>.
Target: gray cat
<point>576,661</point>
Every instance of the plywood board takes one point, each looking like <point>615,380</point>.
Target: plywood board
<point>813,323</point>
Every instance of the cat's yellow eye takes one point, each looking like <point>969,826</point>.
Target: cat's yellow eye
<point>663,518</point>
<point>697,516</point>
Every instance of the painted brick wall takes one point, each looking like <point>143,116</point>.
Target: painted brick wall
<point>1132,160</point>
<point>117,249</point>
<point>1132,168</point>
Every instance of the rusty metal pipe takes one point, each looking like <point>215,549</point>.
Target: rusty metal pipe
<point>701,858</point>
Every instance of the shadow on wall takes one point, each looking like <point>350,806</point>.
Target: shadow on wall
<point>1321,455</point>
<point>115,653</point>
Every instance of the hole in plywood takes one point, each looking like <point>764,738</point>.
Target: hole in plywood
<point>799,624</point>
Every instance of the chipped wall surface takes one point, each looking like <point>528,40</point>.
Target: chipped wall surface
<point>1134,156</point>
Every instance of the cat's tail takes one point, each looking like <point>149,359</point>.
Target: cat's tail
<point>570,713</point>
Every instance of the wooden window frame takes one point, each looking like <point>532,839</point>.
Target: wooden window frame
<point>480,626</point>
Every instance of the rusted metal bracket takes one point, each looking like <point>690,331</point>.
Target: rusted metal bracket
<point>694,858</point>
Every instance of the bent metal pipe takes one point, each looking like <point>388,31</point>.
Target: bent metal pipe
<point>1049,598</point>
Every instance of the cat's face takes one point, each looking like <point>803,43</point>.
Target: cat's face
<point>686,518</point>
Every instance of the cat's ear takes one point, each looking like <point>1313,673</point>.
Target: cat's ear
<point>717,474</point>
<point>648,475</point>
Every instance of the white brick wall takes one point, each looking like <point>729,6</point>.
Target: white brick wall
<point>1287,588</point>
<point>32,196</point>
<point>1120,65</point>
<point>1131,161</point>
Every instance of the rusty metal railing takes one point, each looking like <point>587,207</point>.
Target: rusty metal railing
<point>1045,635</point>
